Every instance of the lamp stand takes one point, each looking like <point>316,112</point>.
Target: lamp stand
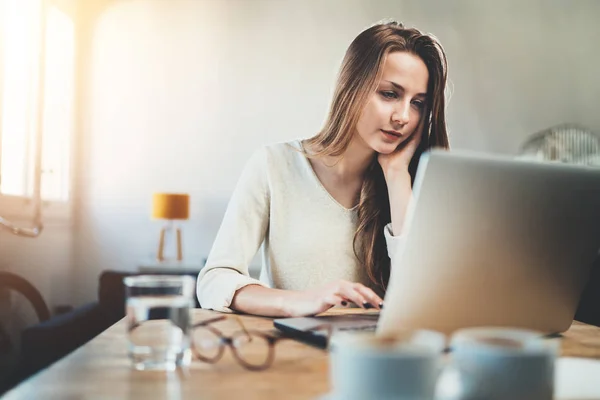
<point>169,244</point>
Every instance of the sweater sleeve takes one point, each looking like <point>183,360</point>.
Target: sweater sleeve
<point>394,243</point>
<point>240,236</point>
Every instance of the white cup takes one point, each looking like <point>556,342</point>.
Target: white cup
<point>400,367</point>
<point>504,364</point>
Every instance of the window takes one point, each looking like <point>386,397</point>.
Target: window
<point>37,62</point>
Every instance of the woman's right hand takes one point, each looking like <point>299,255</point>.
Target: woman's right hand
<point>342,292</point>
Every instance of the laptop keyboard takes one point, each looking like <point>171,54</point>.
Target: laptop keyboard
<point>365,328</point>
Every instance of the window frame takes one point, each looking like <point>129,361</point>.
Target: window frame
<point>21,210</point>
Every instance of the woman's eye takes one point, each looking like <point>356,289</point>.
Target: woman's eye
<point>389,95</point>
<point>419,104</point>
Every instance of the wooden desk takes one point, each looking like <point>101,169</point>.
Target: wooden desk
<point>101,369</point>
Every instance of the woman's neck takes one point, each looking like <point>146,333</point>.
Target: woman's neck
<point>342,176</point>
<point>353,163</point>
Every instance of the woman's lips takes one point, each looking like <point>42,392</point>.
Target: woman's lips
<point>391,134</point>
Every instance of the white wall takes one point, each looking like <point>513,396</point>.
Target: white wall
<point>177,94</point>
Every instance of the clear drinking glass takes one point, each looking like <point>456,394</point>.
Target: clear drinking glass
<point>158,320</point>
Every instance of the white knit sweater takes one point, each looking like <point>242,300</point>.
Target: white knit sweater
<point>306,235</point>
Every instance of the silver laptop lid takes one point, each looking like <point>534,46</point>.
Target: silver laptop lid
<point>494,241</point>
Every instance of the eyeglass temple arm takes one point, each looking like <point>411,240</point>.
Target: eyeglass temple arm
<point>209,321</point>
<point>239,321</point>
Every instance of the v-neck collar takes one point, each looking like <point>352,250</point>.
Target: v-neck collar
<point>318,181</point>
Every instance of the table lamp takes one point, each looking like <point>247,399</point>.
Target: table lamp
<point>170,207</point>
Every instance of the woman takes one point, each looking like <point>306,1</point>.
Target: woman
<point>322,207</point>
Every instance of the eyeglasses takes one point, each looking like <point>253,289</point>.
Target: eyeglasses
<point>253,349</point>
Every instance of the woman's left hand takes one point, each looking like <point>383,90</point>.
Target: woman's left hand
<point>399,160</point>
<point>398,179</point>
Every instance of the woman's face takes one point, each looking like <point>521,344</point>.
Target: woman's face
<point>395,109</point>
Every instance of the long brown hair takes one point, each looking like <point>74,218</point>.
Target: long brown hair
<point>359,76</point>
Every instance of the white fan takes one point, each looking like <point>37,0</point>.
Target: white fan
<point>568,143</point>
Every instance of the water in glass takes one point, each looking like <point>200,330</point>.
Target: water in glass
<point>158,327</point>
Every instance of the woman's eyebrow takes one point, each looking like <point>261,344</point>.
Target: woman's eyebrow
<point>398,86</point>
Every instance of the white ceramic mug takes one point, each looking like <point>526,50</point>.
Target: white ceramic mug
<point>400,367</point>
<point>504,364</point>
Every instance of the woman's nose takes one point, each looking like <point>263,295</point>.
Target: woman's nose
<point>401,114</point>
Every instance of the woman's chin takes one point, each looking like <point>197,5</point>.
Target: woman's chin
<point>386,148</point>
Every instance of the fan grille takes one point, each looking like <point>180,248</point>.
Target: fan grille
<point>567,143</point>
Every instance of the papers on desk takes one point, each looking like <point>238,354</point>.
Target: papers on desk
<point>577,379</point>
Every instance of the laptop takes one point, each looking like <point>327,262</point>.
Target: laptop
<point>490,241</point>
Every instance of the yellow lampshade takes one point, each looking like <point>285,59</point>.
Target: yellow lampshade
<point>170,206</point>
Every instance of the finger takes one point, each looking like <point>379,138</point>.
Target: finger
<point>371,299</point>
<point>334,299</point>
<point>350,292</point>
<point>417,136</point>
<point>346,302</point>
<point>419,130</point>
<point>343,301</point>
<point>370,296</point>
<point>422,129</point>
<point>411,143</point>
